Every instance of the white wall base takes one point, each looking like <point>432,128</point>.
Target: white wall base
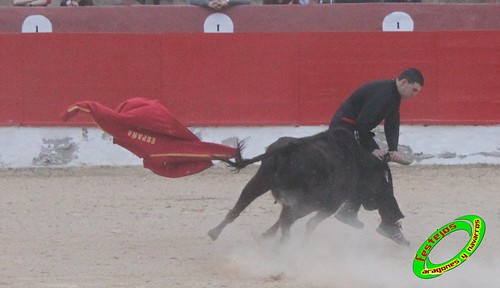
<point>64,146</point>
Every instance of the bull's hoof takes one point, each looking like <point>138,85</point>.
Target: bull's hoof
<point>214,234</point>
<point>268,234</point>
<point>285,239</point>
<point>350,220</point>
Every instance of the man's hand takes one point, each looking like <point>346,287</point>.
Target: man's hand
<point>379,154</point>
<point>395,156</point>
<point>399,158</point>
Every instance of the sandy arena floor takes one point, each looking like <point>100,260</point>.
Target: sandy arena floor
<point>126,227</point>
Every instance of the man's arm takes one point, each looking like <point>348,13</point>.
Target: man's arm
<point>370,117</point>
<point>391,129</point>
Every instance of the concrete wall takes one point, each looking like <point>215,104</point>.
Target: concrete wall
<point>84,146</point>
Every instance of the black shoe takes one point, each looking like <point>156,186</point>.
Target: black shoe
<point>393,232</point>
<point>349,217</point>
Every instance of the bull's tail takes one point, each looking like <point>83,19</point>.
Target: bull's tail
<point>240,163</point>
<point>281,145</point>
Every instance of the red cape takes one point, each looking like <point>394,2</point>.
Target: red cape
<point>150,131</point>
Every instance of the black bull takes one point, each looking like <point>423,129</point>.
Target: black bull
<point>316,173</point>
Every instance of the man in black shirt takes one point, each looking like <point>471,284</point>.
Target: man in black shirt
<point>366,108</point>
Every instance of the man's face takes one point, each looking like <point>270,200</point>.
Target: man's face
<point>408,90</point>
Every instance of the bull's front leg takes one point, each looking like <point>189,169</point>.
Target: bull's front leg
<point>315,220</point>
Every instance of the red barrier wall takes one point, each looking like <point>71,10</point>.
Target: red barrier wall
<point>247,79</point>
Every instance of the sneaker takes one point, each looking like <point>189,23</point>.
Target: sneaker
<point>349,218</point>
<point>393,232</point>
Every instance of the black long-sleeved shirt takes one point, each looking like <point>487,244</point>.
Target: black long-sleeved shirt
<point>368,106</point>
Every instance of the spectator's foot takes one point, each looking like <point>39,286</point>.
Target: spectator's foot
<point>393,232</point>
<point>349,217</point>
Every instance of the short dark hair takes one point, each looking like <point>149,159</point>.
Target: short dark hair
<point>413,75</point>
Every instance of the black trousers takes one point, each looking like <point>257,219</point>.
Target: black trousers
<point>375,189</point>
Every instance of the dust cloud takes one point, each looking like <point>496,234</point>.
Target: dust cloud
<point>339,256</point>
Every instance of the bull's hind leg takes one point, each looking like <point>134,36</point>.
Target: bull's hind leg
<point>288,216</point>
<point>273,229</point>
<point>257,186</point>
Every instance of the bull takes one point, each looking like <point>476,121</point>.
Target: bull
<point>312,174</point>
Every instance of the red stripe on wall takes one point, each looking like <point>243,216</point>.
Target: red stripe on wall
<point>247,79</point>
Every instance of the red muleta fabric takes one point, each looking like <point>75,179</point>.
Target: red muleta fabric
<point>147,129</point>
